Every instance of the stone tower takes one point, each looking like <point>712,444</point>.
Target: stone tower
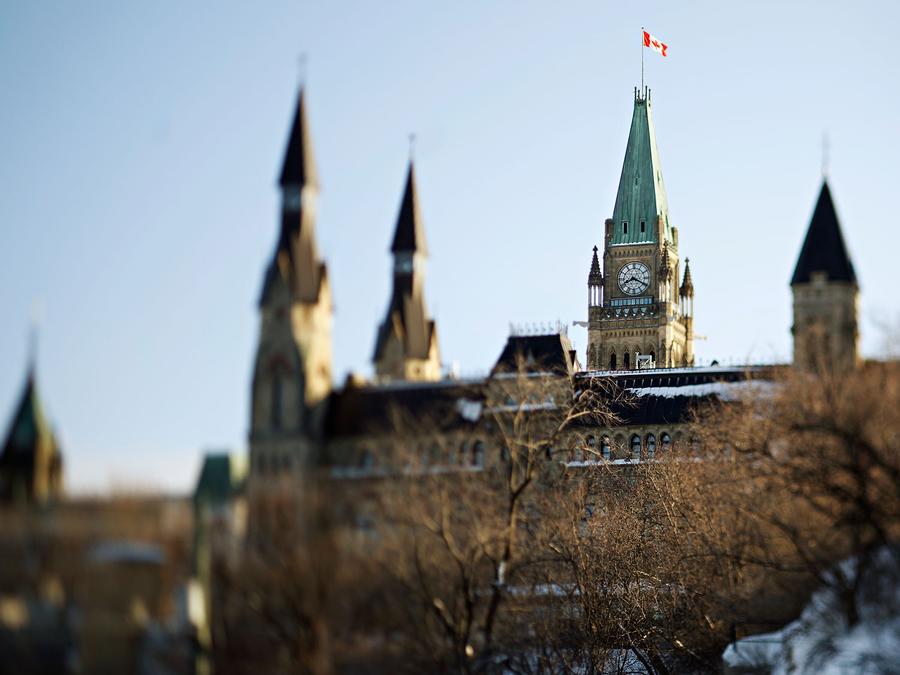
<point>826,294</point>
<point>30,460</point>
<point>406,347</point>
<point>635,306</point>
<point>292,371</point>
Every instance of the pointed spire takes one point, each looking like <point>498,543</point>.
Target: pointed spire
<point>595,278</point>
<point>409,236</point>
<point>296,260</point>
<point>407,322</point>
<point>687,286</point>
<point>299,168</point>
<point>641,199</point>
<point>30,462</point>
<point>823,248</point>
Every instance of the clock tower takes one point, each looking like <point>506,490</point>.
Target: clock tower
<point>636,307</point>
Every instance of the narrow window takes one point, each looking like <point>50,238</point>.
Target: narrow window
<point>636,447</point>
<point>478,454</point>
<point>604,448</point>
<point>626,361</point>
<point>368,459</point>
<point>651,446</point>
<point>612,361</point>
<point>624,227</point>
<point>643,226</point>
<point>276,402</point>
<point>666,440</point>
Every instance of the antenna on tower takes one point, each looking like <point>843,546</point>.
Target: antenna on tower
<point>412,147</point>
<point>301,69</point>
<point>33,333</point>
<point>825,155</point>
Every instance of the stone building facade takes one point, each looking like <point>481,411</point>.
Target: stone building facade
<point>826,294</point>
<point>635,304</point>
<point>640,340</point>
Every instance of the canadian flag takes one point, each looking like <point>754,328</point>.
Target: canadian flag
<point>659,47</point>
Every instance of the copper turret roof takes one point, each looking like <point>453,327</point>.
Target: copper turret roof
<point>30,461</point>
<point>641,196</point>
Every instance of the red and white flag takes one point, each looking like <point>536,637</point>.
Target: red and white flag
<point>656,45</point>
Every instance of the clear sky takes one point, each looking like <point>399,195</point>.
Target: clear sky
<point>140,143</point>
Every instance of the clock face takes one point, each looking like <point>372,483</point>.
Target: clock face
<point>634,278</point>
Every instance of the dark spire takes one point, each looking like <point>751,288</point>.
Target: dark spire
<point>299,166</point>
<point>407,316</point>
<point>296,258</point>
<point>687,286</point>
<point>824,249</point>
<point>30,462</point>
<point>409,237</point>
<point>595,278</point>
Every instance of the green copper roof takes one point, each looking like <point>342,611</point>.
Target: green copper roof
<point>220,477</point>
<point>642,193</point>
<point>29,427</point>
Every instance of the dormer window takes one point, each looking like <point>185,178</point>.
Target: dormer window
<point>624,227</point>
<point>643,227</point>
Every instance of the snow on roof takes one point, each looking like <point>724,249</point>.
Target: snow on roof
<point>726,391</point>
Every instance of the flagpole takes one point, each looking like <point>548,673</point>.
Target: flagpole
<point>642,58</point>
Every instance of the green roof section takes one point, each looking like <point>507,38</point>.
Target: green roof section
<point>221,476</point>
<point>29,427</point>
<point>642,193</point>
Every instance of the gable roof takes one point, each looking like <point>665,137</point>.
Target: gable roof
<point>823,248</point>
<point>550,353</point>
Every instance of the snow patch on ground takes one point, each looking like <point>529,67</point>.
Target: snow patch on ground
<point>821,641</point>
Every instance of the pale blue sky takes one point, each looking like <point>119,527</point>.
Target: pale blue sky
<point>140,142</point>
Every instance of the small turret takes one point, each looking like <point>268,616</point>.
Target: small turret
<point>595,282</point>
<point>406,346</point>
<point>687,285</point>
<point>30,460</point>
<point>826,294</point>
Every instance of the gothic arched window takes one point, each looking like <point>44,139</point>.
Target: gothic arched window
<point>651,446</point>
<point>612,361</point>
<point>478,454</point>
<point>635,447</point>
<point>461,453</point>
<point>626,360</point>
<point>604,448</point>
<point>276,401</point>
<point>367,461</point>
<point>666,440</point>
